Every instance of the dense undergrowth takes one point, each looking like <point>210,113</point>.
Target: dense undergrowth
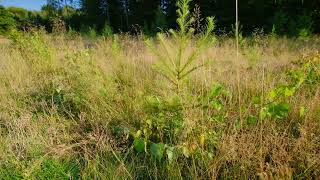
<point>125,108</point>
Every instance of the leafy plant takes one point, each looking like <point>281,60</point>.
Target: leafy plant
<point>241,38</point>
<point>304,25</point>
<point>276,105</point>
<point>213,102</point>
<point>139,144</point>
<point>164,121</point>
<point>32,45</point>
<point>7,21</point>
<point>88,31</point>
<point>161,133</point>
<point>275,111</point>
<point>308,70</point>
<point>178,61</point>
<point>157,150</point>
<point>107,30</point>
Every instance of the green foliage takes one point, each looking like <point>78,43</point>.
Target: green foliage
<point>302,111</point>
<point>116,46</point>
<point>7,21</point>
<point>71,32</point>
<point>308,70</point>
<point>139,144</point>
<point>107,30</point>
<point>241,38</point>
<point>300,25</point>
<point>277,105</point>
<point>273,33</point>
<point>275,111</point>
<point>304,25</point>
<point>165,120</point>
<point>20,14</point>
<point>57,169</point>
<point>157,150</point>
<point>8,171</point>
<point>213,102</point>
<point>48,11</point>
<point>178,62</point>
<point>50,168</point>
<point>32,45</point>
<point>294,17</point>
<point>88,31</point>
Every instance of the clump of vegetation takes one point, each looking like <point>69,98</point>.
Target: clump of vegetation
<point>178,61</point>
<point>7,22</point>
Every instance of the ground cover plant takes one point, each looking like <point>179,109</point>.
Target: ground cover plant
<point>124,107</point>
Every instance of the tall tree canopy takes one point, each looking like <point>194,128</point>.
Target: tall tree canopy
<point>123,14</point>
<point>281,16</point>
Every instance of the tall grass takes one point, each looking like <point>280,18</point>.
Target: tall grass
<point>71,108</point>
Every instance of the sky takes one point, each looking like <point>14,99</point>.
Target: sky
<point>27,4</point>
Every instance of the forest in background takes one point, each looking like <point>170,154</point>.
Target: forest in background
<point>281,17</point>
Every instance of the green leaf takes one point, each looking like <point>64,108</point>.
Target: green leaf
<point>289,91</point>
<point>302,111</point>
<point>216,90</point>
<point>218,118</point>
<point>139,145</point>
<point>153,102</point>
<point>157,150</point>
<point>217,105</point>
<point>279,110</point>
<point>138,133</point>
<point>185,151</point>
<point>170,153</point>
<point>252,120</point>
<point>272,94</point>
<point>256,100</point>
<point>149,122</point>
<point>263,113</point>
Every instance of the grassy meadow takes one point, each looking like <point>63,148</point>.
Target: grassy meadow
<point>181,105</point>
<point>115,108</point>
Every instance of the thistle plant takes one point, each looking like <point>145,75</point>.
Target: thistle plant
<point>181,49</point>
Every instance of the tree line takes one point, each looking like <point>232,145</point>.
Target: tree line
<point>290,17</point>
